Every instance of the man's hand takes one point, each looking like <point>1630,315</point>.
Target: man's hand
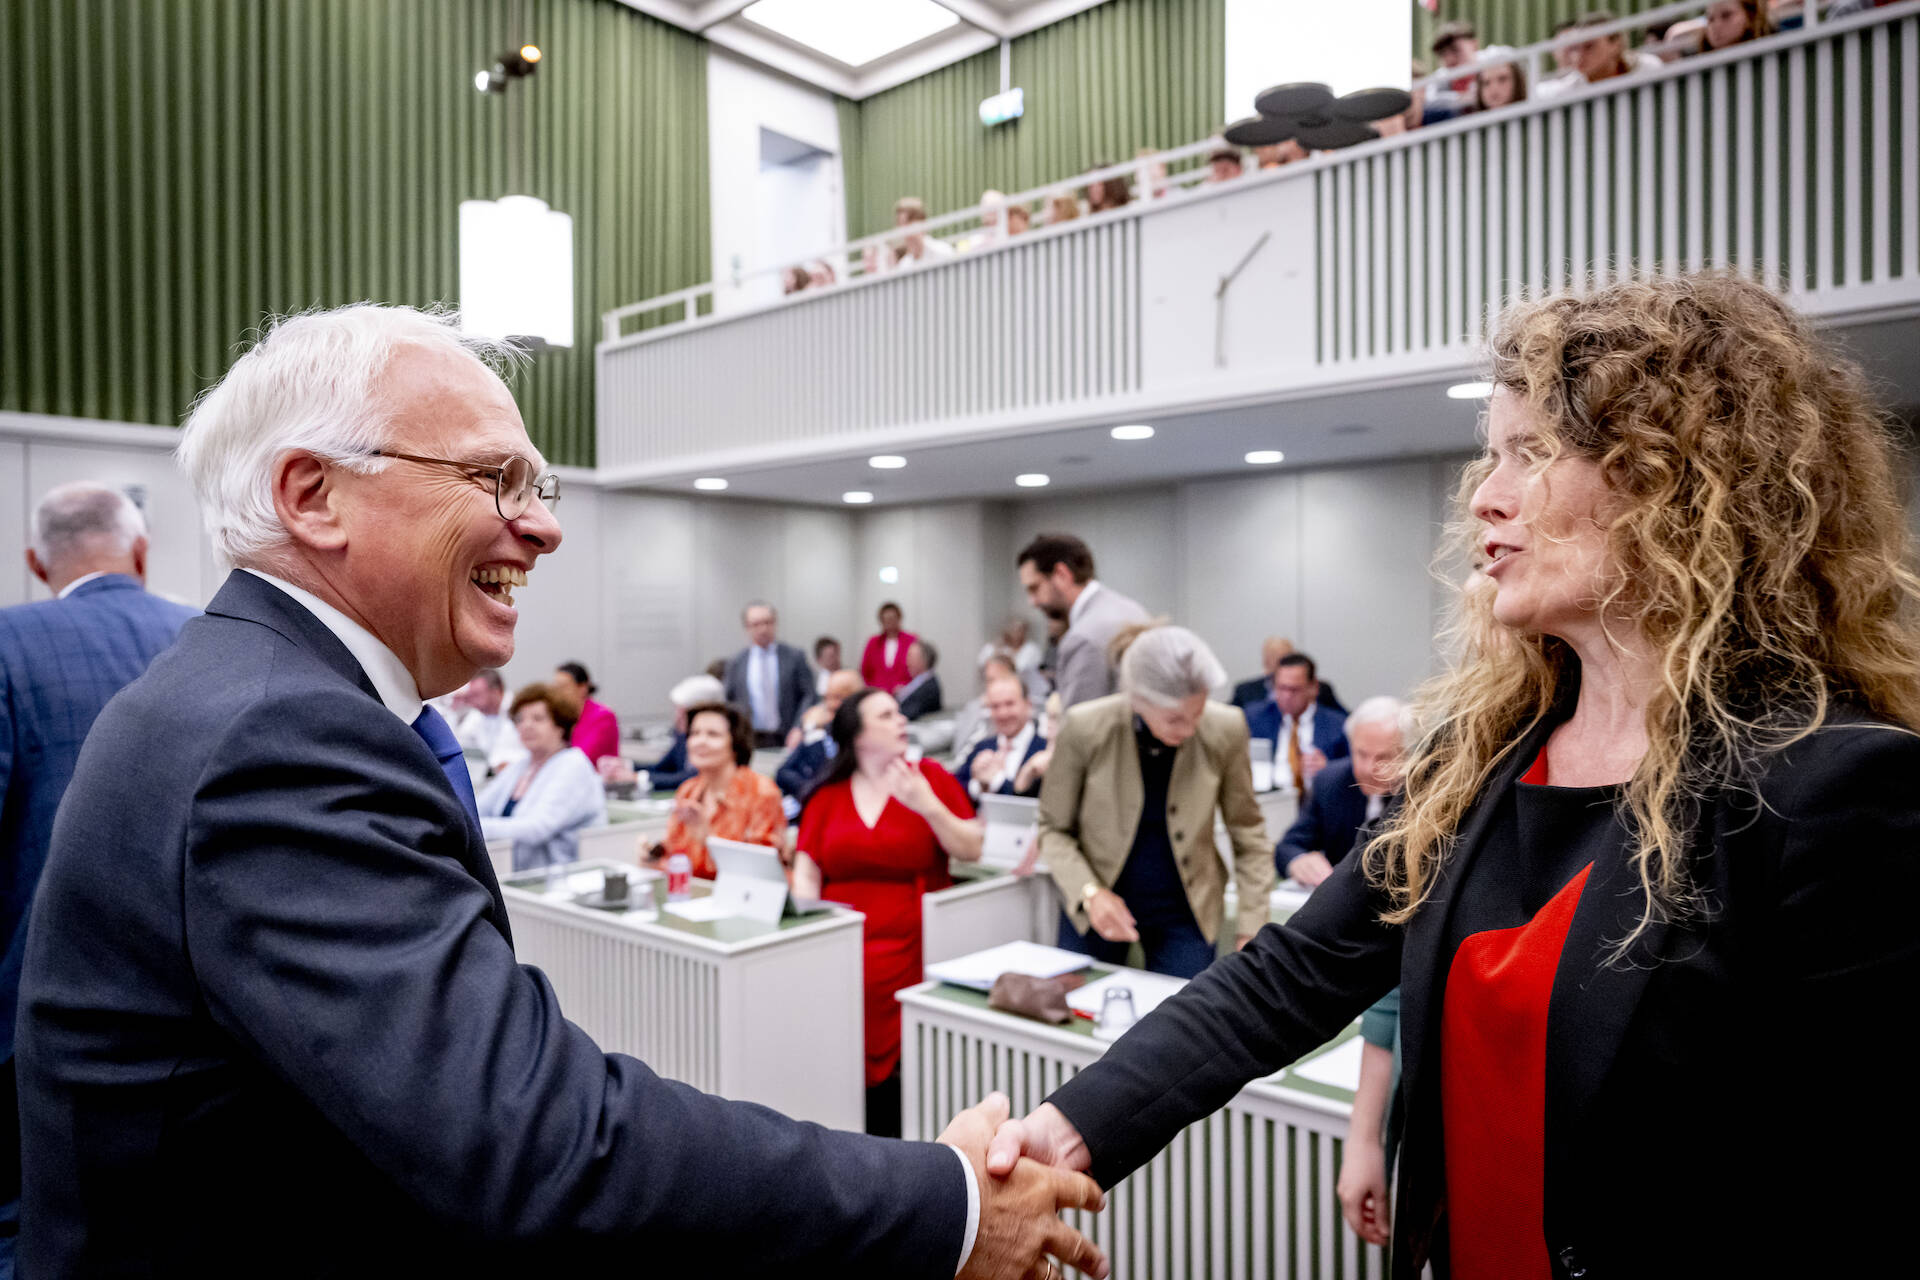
<point>1362,1188</point>
<point>986,767</point>
<point>1045,1135</point>
<point>1240,941</point>
<point>1312,763</point>
<point>793,737</point>
<point>816,717</point>
<point>1110,918</point>
<point>1033,770</point>
<point>617,771</point>
<point>1309,869</point>
<point>1019,1205</point>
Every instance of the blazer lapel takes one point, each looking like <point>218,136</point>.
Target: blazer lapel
<point>1129,790</point>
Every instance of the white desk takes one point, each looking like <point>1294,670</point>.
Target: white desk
<point>759,1013</point>
<point>1247,1192</point>
<point>985,907</point>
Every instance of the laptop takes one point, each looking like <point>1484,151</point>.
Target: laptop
<point>1261,751</point>
<point>751,881</point>
<point>1011,823</point>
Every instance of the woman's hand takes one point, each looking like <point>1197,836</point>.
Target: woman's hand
<point>1110,918</point>
<point>905,783</point>
<point>693,819</point>
<point>1362,1188</point>
<point>651,852</point>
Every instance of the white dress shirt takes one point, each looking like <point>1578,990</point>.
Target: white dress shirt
<point>389,676</point>
<point>763,687</point>
<point>493,736</point>
<point>1376,805</point>
<point>1306,733</point>
<point>564,796</point>
<point>79,582</point>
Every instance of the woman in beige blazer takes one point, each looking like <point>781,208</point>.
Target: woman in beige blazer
<point>1127,810</point>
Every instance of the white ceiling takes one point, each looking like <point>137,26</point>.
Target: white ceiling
<point>982,25</point>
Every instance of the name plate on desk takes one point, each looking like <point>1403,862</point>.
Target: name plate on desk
<point>1011,828</point>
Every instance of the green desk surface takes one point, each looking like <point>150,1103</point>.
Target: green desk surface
<point>1286,1078</point>
<point>729,930</point>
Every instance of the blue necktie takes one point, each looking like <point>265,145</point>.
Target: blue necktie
<point>439,738</point>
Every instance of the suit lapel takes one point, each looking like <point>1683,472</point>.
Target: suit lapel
<point>1129,790</point>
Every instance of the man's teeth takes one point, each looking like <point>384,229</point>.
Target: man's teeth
<point>499,583</point>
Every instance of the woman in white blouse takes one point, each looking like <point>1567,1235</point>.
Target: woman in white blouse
<point>541,802</point>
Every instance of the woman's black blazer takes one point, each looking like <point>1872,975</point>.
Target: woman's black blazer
<point>1729,1101</point>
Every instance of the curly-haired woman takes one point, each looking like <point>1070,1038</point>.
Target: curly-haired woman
<point>1651,896</point>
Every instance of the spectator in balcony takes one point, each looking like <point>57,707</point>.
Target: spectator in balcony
<point>1019,219</point>
<point>1731,22</point>
<point>1566,63</point>
<point>1605,58</point>
<point>883,664</point>
<point>1224,165</point>
<point>916,248</point>
<point>794,280</point>
<point>820,274</point>
<point>1149,175</point>
<point>1108,193</point>
<point>1062,206</point>
<point>919,697</point>
<point>1500,86</point>
<point>993,223</point>
<point>1281,154</point>
<point>1455,44</point>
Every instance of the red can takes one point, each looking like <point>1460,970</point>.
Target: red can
<point>679,878</point>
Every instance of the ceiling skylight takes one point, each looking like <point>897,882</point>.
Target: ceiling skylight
<point>854,32</point>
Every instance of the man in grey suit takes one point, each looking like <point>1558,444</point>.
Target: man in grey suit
<point>1057,571</point>
<point>771,681</point>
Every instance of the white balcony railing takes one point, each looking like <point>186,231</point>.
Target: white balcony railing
<point>1796,159</point>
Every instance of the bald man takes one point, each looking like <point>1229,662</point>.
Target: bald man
<point>60,660</point>
<point>1258,689</point>
<point>797,772</point>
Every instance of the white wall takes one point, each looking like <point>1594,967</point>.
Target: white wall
<point>1273,42</point>
<point>741,99</point>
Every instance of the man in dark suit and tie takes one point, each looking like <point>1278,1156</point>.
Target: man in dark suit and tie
<point>1305,733</point>
<point>60,661</point>
<point>1347,794</point>
<point>270,1017</point>
<point>994,764</point>
<point>771,681</point>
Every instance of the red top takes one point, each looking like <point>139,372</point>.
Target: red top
<point>598,732</point>
<point>877,671</point>
<point>881,871</point>
<point>1493,1088</point>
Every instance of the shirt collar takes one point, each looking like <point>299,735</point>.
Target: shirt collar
<point>1080,605</point>
<point>390,677</point>
<point>79,582</point>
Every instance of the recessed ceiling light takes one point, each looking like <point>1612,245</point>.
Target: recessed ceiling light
<point>889,574</point>
<point>856,496</point>
<point>852,31</point>
<point>1265,457</point>
<point>1033,480</point>
<point>887,461</point>
<point>1139,431</point>
<point>1469,391</point>
<point>712,484</point>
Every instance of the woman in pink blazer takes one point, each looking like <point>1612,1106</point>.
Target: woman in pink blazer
<point>884,664</point>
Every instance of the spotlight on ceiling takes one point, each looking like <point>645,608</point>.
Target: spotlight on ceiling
<point>1139,431</point>
<point>1469,391</point>
<point>856,497</point>
<point>889,574</point>
<point>1265,457</point>
<point>1033,480</point>
<point>710,484</point>
<point>886,462</point>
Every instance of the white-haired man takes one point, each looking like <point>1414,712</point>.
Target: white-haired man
<point>60,661</point>
<point>271,1018</point>
<point>1347,794</point>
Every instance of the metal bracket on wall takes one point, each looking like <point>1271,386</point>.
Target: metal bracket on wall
<point>1220,301</point>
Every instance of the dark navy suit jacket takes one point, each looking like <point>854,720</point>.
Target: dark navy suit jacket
<point>1335,811</point>
<point>1035,745</point>
<point>805,763</point>
<point>1329,730</point>
<point>272,1024</point>
<point>671,769</point>
<point>60,661</point>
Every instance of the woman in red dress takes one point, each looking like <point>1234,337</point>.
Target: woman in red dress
<point>876,834</point>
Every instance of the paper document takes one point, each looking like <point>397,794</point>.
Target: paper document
<point>1150,990</point>
<point>981,968</point>
<point>1338,1067</point>
<point>701,910</point>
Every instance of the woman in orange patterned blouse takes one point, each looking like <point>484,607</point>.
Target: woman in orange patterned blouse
<point>723,798</point>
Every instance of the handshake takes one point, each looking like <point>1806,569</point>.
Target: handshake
<point>1028,1171</point>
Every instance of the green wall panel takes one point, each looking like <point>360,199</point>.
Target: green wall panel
<point>177,170</point>
<point>1099,85</point>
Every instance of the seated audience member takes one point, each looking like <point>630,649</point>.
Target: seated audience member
<point>883,663</point>
<point>1455,44</point>
<point>541,800</point>
<point>919,697</point>
<point>771,680</point>
<point>1034,771</point>
<point>794,280</point>
<point>1731,22</point>
<point>482,723</point>
<point>671,769</point>
<point>806,762</point>
<point>1019,219</point>
<point>1566,62</point>
<point>826,661</point>
<point>971,723</point>
<point>1016,639</point>
<point>717,668</point>
<point>1108,193</point>
<point>1282,154</point>
<point>820,274</point>
<point>724,797</point>
<point>876,834</point>
<point>993,226</point>
<point>1257,689</point>
<point>1224,165</point>
<point>1127,810</point>
<point>916,248</point>
<point>1607,57</point>
<point>1305,733</point>
<point>1501,86</point>
<point>995,762</point>
<point>1063,206</point>
<point>597,734</point>
<point>1149,175</point>
<point>1347,794</point>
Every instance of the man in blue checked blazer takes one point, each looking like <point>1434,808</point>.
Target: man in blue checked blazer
<point>60,661</point>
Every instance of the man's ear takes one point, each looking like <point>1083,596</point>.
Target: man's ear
<point>36,566</point>
<point>139,554</point>
<point>306,497</point>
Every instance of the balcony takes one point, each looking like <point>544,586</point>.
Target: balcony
<point>1795,159</point>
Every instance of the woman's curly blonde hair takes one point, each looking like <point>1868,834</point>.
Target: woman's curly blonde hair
<point>1757,539</point>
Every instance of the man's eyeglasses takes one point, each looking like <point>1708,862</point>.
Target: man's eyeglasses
<point>514,482</point>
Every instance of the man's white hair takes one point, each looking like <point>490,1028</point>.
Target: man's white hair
<point>1383,710</point>
<point>1166,665</point>
<point>307,384</point>
<point>85,519</point>
<point>695,690</point>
